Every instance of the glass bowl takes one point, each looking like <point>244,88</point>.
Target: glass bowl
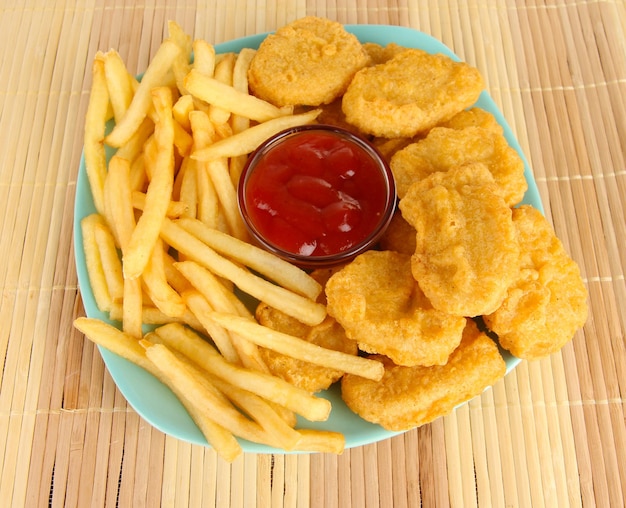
<point>316,195</point>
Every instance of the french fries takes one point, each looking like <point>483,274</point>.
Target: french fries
<point>167,247</point>
<point>155,76</point>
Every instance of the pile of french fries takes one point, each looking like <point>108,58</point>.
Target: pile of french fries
<point>167,247</point>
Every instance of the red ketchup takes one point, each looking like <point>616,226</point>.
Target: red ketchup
<point>317,192</point>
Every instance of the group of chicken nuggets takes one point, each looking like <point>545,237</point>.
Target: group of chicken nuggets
<point>462,265</point>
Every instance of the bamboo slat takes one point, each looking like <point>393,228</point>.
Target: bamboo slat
<point>551,433</point>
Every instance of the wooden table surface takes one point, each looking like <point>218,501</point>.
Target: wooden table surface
<point>552,433</point>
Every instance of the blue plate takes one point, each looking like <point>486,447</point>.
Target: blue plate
<point>153,400</point>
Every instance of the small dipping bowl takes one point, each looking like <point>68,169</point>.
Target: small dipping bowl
<point>316,195</point>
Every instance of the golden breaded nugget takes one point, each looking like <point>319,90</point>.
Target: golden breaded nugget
<point>379,304</point>
<point>408,397</point>
<point>547,303</point>
<point>445,147</point>
<point>409,94</point>
<point>399,236</point>
<point>309,62</point>
<point>305,375</point>
<point>467,254</point>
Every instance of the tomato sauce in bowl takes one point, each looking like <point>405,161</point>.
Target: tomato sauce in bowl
<point>316,195</point>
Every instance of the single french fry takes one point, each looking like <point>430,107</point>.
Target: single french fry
<point>292,304</point>
<point>201,308</point>
<point>138,176</point>
<point>111,263</point>
<point>95,126</point>
<point>93,262</point>
<point>181,109</point>
<point>161,293</point>
<point>109,196</point>
<point>269,387</point>
<point>182,139</point>
<point>159,191</point>
<point>180,65</point>
<point>236,166</point>
<point>224,74</point>
<point>119,83</point>
<point>188,187</point>
<point>119,201</point>
<point>300,349</point>
<point>179,36</point>
<point>204,57</point>
<point>132,308</point>
<point>263,262</point>
<point>240,123</point>
<point>214,92</point>
<point>320,441</point>
<point>115,340</point>
<point>240,70</point>
<point>247,141</point>
<point>208,204</point>
<point>150,151</point>
<point>154,76</point>
<point>227,194</point>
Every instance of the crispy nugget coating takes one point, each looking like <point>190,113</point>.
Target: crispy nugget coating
<point>467,253</point>
<point>377,301</point>
<point>309,62</point>
<point>410,93</point>
<point>547,303</point>
<point>408,397</point>
<point>305,375</point>
<point>445,147</point>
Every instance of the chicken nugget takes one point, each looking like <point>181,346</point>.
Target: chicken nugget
<point>408,397</point>
<point>467,253</point>
<point>410,93</point>
<point>445,147</point>
<point>380,306</point>
<point>308,62</point>
<point>547,303</point>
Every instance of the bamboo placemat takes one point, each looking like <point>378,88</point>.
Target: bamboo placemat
<point>552,433</point>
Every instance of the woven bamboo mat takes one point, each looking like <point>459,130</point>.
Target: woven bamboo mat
<point>552,433</point>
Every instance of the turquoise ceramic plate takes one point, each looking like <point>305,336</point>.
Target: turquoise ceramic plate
<point>155,402</point>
